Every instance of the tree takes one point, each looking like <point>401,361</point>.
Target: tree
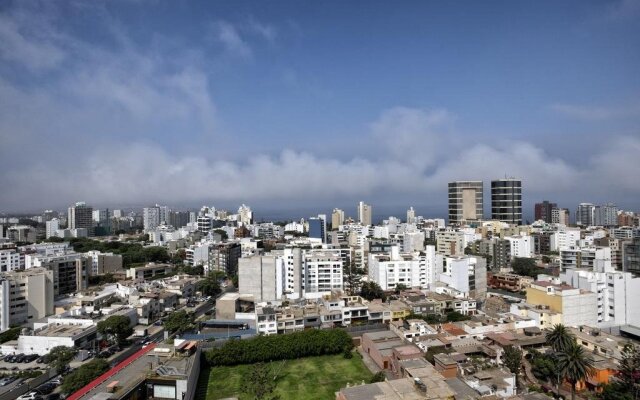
<point>313,342</point>
<point>400,287</point>
<point>525,266</point>
<point>455,316</point>
<point>222,234</point>
<point>378,377</point>
<point>575,365</point>
<point>371,290</point>
<point>260,385</point>
<point>210,286</point>
<point>629,371</point>
<point>177,322</point>
<point>615,391</point>
<point>116,327</point>
<point>84,375</point>
<point>197,270</point>
<point>352,277</point>
<point>512,359</point>
<point>60,357</point>
<point>560,339</point>
<point>179,256</point>
<point>10,334</point>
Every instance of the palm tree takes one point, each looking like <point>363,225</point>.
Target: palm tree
<point>560,339</point>
<point>575,365</point>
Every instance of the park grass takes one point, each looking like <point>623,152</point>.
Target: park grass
<point>310,378</point>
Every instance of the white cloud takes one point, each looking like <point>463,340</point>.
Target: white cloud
<point>230,37</point>
<point>15,46</point>
<point>592,113</point>
<point>90,133</point>
<point>266,31</point>
<point>417,136</point>
<point>145,172</point>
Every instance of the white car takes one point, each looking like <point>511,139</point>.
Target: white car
<point>28,396</point>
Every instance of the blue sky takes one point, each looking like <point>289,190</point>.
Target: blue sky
<point>285,104</point>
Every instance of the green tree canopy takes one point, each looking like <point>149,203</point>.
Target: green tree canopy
<point>560,338</point>
<point>525,267</point>
<point>629,371</point>
<point>84,375</point>
<point>60,357</point>
<point>371,290</point>
<point>210,286</point>
<point>178,321</point>
<point>575,365</point>
<point>512,359</point>
<point>116,327</point>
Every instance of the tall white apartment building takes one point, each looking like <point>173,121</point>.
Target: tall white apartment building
<point>409,269</point>
<point>364,214</point>
<point>291,273</point>
<point>10,260</point>
<point>616,294</point>
<point>564,238</point>
<point>52,227</point>
<point>413,241</point>
<point>245,215</point>
<point>150,218</point>
<point>467,275</point>
<point>411,216</point>
<point>322,273</point>
<point>25,296</point>
<point>521,246</point>
<point>100,216</point>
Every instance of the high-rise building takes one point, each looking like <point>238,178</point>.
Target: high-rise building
<point>605,215</point>
<point>364,213</point>
<point>245,215</point>
<point>150,218</point>
<point>52,228</point>
<point>411,216</point>
<point>506,200</point>
<point>337,218</point>
<point>178,219</point>
<point>585,214</point>
<point>560,216</point>
<point>465,201</point>
<point>631,256</point>
<point>80,216</point>
<point>318,228</point>
<point>543,211</point>
<point>25,296</point>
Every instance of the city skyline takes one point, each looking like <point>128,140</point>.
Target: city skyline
<point>290,106</point>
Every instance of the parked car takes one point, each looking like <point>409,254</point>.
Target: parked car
<point>29,396</point>
<point>56,381</point>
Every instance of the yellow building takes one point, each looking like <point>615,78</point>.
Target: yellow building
<point>577,306</point>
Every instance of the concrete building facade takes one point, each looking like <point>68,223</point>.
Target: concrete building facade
<point>466,201</point>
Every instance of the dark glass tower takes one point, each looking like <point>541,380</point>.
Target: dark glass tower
<point>506,200</point>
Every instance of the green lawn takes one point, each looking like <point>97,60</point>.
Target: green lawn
<point>311,378</point>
